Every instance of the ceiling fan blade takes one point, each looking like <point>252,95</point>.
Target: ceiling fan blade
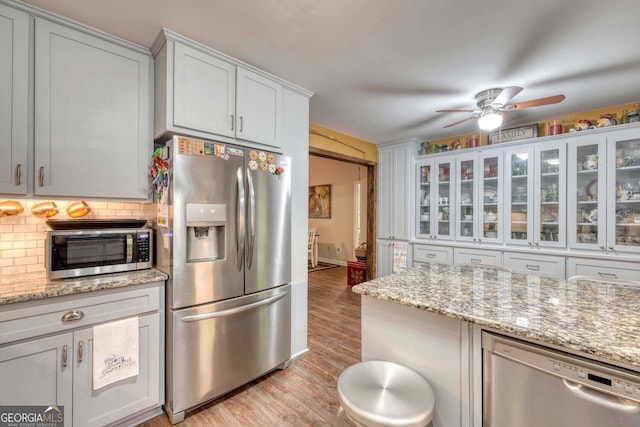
<point>456,111</point>
<point>505,116</point>
<point>535,103</point>
<point>460,121</point>
<point>506,95</point>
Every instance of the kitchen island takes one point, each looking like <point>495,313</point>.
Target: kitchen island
<point>431,318</point>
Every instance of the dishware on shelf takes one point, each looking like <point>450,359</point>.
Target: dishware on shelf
<point>591,162</point>
<point>468,217</point>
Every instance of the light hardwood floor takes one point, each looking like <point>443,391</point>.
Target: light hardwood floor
<point>305,393</point>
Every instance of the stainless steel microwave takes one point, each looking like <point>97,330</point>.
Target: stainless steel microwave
<point>85,252</point>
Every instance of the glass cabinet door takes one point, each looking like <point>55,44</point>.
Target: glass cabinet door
<point>625,196</point>
<point>519,196</point>
<point>424,200</point>
<point>586,190</point>
<point>550,194</point>
<point>467,197</point>
<point>490,198</point>
<point>444,187</point>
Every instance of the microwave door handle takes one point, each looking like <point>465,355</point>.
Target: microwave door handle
<point>129,248</point>
<point>240,219</point>
<point>252,220</point>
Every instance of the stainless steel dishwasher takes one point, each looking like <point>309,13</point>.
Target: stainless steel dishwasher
<point>525,385</point>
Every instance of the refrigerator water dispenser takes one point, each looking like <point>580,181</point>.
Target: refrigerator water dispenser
<point>206,224</point>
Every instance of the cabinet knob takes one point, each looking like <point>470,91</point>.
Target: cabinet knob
<point>72,315</point>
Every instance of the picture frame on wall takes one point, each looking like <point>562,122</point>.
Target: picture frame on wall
<point>320,201</point>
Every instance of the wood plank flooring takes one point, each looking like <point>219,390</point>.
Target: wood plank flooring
<point>305,393</point>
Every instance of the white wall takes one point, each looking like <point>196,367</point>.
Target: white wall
<point>296,145</point>
<point>336,233</point>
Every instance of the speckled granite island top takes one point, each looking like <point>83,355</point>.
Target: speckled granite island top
<point>595,318</point>
<point>35,286</point>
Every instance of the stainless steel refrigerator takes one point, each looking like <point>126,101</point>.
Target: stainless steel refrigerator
<point>223,236</point>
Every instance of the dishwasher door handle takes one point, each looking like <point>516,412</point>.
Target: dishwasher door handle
<point>601,398</point>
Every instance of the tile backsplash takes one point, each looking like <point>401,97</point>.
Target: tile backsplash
<point>22,236</point>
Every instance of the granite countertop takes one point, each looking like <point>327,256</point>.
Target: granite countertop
<point>595,318</point>
<point>36,286</point>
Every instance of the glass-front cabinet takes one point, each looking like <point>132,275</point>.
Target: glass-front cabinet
<point>536,194</point>
<point>435,199</point>
<point>587,183</point>
<point>623,191</point>
<point>478,196</point>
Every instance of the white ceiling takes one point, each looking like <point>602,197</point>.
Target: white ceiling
<point>380,68</point>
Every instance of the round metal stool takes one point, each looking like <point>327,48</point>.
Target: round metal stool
<point>378,393</point>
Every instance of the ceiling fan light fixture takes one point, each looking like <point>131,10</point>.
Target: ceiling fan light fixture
<point>490,120</point>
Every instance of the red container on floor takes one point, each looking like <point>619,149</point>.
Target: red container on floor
<point>356,272</point>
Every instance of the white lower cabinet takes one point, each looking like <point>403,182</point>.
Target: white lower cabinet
<point>541,265</point>
<point>438,347</point>
<point>603,269</point>
<point>477,256</point>
<point>56,368</point>
<point>389,254</point>
<point>423,254</point>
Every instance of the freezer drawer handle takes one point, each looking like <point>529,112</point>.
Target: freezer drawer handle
<point>235,310</point>
<point>600,398</point>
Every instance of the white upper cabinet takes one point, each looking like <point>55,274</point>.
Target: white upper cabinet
<point>259,106</point>
<point>206,94</point>
<point>14,86</point>
<point>92,115</point>
<point>436,198</point>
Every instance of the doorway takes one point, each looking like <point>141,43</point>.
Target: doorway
<point>369,169</point>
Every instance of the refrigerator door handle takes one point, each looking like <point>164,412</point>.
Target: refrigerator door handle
<point>252,220</point>
<point>235,310</point>
<point>240,219</point>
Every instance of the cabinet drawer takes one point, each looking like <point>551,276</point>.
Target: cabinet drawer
<point>30,319</point>
<point>541,265</point>
<point>433,254</point>
<point>604,269</point>
<point>476,256</point>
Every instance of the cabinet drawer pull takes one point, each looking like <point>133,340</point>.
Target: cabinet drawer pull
<point>41,176</point>
<point>431,255</point>
<point>233,122</point>
<point>18,174</point>
<point>64,356</point>
<point>80,352</point>
<point>72,315</point>
<point>533,267</point>
<point>241,124</point>
<point>608,275</point>
<point>476,260</point>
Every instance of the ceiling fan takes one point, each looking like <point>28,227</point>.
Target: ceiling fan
<point>492,104</point>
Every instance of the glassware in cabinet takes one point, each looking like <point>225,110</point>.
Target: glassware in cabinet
<point>424,202</point>
<point>587,183</point>
<point>519,189</point>
<point>627,194</point>
<point>444,222</point>
<point>467,198</point>
<point>490,202</point>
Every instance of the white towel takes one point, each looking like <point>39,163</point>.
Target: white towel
<point>115,351</point>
